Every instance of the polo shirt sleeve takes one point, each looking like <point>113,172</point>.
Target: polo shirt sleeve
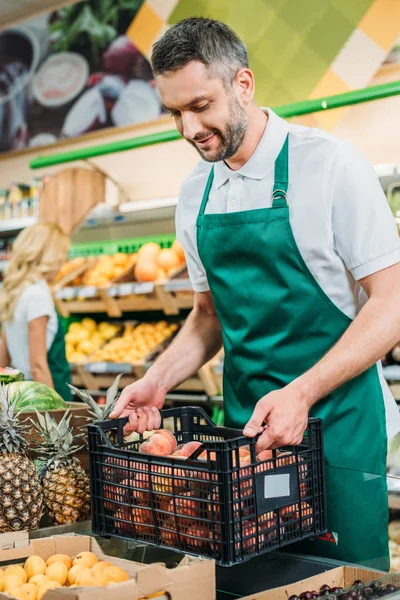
<point>364,229</point>
<point>185,222</point>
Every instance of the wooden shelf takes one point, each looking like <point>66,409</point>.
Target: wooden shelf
<point>160,299</point>
<point>204,381</point>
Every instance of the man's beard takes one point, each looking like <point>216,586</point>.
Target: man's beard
<point>232,137</point>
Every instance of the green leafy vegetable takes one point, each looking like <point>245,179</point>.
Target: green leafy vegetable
<point>92,25</point>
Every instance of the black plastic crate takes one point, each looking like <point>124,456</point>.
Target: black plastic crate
<point>213,506</point>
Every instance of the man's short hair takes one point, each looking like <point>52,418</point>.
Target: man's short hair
<point>208,41</point>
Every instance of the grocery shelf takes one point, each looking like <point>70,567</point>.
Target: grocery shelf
<point>203,382</point>
<point>148,297</point>
<point>15,225</point>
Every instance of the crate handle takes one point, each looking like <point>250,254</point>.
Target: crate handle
<point>102,426</point>
<point>197,410</point>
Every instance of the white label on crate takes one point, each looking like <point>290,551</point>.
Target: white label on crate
<point>277,486</point>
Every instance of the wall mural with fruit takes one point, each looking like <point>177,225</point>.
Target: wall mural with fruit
<point>72,71</point>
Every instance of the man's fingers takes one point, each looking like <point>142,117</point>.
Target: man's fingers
<point>142,425</point>
<point>131,425</point>
<point>119,410</point>
<point>151,418</point>
<point>265,441</point>
<point>157,417</point>
<point>258,417</point>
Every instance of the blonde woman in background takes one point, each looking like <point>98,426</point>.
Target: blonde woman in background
<point>32,332</point>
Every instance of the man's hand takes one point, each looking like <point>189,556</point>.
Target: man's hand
<point>285,413</point>
<point>141,402</point>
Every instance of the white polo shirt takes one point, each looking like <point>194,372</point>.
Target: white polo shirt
<point>339,214</point>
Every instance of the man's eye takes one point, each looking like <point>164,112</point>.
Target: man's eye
<point>201,108</point>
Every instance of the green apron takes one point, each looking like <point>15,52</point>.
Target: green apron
<point>58,364</point>
<point>277,323</point>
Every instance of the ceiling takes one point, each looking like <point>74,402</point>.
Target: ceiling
<point>17,10</point>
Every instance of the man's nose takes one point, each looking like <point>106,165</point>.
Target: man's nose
<point>190,126</point>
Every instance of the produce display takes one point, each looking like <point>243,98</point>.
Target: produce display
<point>66,488</point>
<point>69,267</point>
<point>358,591</point>
<point>33,580</point>
<point>20,488</point>
<point>154,263</point>
<point>135,343</point>
<point>85,337</point>
<point>108,268</point>
<point>31,395</point>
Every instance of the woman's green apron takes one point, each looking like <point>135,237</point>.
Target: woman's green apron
<point>58,364</point>
<point>277,323</point>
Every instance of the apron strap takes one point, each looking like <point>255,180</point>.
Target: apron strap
<point>279,194</point>
<point>206,192</point>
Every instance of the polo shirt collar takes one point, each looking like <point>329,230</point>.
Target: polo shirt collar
<point>259,163</point>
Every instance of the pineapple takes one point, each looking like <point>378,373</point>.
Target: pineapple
<point>21,499</point>
<point>65,484</point>
<point>99,412</point>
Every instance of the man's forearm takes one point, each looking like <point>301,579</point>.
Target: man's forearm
<point>374,331</point>
<point>197,342</point>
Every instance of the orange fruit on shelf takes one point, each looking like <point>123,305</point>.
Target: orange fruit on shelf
<point>89,559</point>
<point>146,270</point>
<point>116,575</point>
<point>18,572</point>
<point>39,580</point>
<point>168,259</point>
<point>149,251</point>
<point>34,565</point>
<point>178,249</point>
<point>52,585</point>
<point>64,558</point>
<point>91,578</point>
<point>74,571</point>
<point>57,572</point>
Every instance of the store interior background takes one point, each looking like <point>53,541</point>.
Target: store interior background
<point>298,51</point>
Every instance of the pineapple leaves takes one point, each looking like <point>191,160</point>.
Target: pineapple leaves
<point>12,429</point>
<point>113,391</point>
<point>84,396</point>
<point>56,439</point>
<point>99,412</point>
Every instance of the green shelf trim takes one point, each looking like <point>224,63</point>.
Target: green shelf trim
<point>127,245</point>
<point>102,149</point>
<point>296,109</point>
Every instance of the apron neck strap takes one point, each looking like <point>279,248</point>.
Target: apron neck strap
<point>279,194</point>
<point>206,192</point>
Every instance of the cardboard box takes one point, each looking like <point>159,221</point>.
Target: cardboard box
<point>340,577</point>
<point>192,579</point>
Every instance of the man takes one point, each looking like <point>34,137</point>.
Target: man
<point>294,258</point>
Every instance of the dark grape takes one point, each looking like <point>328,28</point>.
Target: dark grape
<point>306,596</point>
<point>375,585</point>
<point>336,590</point>
<point>294,597</point>
<point>324,588</point>
<point>357,583</point>
<point>315,594</point>
<point>368,592</point>
<point>391,588</point>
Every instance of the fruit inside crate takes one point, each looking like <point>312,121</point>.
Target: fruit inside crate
<point>219,500</point>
